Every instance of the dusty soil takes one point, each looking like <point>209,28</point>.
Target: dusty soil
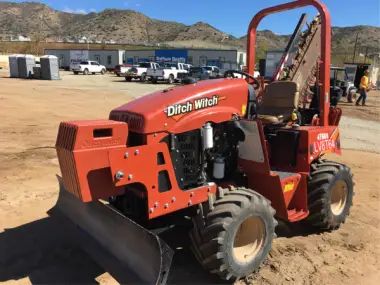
<point>370,112</point>
<point>35,250</point>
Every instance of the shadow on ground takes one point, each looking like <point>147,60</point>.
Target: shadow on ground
<point>42,252</point>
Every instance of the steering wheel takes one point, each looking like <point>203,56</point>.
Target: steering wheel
<point>255,83</point>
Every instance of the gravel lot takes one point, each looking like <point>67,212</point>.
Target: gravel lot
<point>34,250</point>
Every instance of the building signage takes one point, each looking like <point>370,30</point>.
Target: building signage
<point>171,56</point>
<point>76,56</point>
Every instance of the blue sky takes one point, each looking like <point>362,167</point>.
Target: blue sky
<point>230,16</point>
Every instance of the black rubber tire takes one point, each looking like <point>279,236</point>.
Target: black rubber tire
<point>324,174</point>
<point>93,73</point>
<point>76,72</point>
<point>171,79</point>
<point>85,72</point>
<point>118,75</point>
<point>128,79</point>
<point>215,227</point>
<point>103,72</point>
<point>154,80</point>
<point>143,77</point>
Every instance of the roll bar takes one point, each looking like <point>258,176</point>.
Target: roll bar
<point>325,47</point>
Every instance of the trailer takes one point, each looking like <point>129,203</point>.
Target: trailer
<point>355,72</point>
<point>69,57</point>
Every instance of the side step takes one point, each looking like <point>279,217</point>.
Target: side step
<point>129,252</point>
<point>297,215</point>
<point>295,197</point>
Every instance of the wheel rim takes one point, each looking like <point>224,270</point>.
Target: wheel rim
<point>249,239</point>
<point>339,197</point>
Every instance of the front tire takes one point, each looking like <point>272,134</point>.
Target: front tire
<point>85,72</point>
<point>103,71</point>
<point>76,72</point>
<point>330,194</point>
<point>143,77</point>
<point>233,234</point>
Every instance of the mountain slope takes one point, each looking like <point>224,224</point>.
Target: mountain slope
<point>39,21</point>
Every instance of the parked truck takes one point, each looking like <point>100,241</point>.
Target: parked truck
<point>168,72</point>
<point>87,67</point>
<point>140,71</point>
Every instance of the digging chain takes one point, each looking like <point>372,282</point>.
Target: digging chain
<point>303,46</point>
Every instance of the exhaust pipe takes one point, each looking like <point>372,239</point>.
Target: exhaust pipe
<point>129,252</point>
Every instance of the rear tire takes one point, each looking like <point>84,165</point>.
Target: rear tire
<point>76,72</point>
<point>233,232</point>
<point>93,73</point>
<point>154,80</point>
<point>128,79</point>
<point>330,194</point>
<point>171,79</point>
<point>103,71</point>
<point>143,77</point>
<point>85,72</point>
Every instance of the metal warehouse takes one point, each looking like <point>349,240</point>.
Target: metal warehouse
<point>108,58</point>
<point>196,57</point>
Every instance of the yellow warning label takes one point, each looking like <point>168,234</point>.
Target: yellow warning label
<point>243,109</point>
<point>289,187</point>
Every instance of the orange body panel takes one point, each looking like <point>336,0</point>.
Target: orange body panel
<point>158,111</point>
<point>83,157</point>
<point>141,167</point>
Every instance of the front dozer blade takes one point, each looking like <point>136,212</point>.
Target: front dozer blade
<point>129,252</point>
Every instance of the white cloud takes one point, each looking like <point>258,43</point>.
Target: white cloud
<point>92,10</point>
<point>125,4</point>
<point>68,10</point>
<point>80,11</point>
<point>75,11</point>
<point>138,5</point>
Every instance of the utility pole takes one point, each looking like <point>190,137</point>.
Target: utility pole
<point>356,42</point>
<point>366,54</point>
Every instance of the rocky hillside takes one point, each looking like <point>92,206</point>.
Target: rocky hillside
<point>39,21</point>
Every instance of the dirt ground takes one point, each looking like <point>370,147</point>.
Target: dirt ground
<point>34,249</point>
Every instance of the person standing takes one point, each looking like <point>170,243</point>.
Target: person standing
<point>364,88</point>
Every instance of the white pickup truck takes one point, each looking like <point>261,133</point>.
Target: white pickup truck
<point>213,71</point>
<point>168,72</point>
<point>139,71</point>
<point>87,67</point>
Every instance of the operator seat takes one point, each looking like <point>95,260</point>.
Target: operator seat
<point>279,102</point>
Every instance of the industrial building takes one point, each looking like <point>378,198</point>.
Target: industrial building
<point>196,57</point>
<point>271,62</point>
<point>66,57</point>
<point>110,58</point>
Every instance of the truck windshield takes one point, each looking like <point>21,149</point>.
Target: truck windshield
<point>84,62</point>
<point>170,65</point>
<point>208,68</point>
<point>196,70</point>
<point>144,64</point>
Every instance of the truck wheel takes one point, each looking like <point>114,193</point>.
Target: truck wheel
<point>103,71</point>
<point>171,79</point>
<point>128,79</point>
<point>154,80</point>
<point>233,232</point>
<point>330,194</point>
<point>143,77</point>
<point>85,72</point>
<point>76,72</point>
